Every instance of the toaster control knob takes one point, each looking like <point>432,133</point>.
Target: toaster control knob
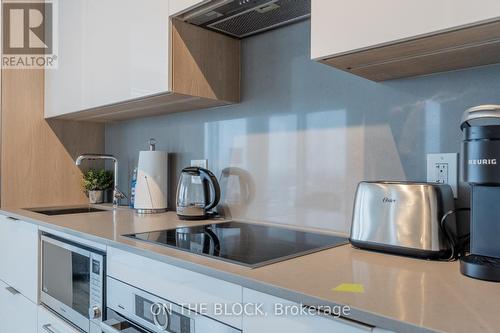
<point>95,312</point>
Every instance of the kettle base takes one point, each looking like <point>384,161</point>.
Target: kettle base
<point>480,267</point>
<point>144,211</point>
<point>193,217</point>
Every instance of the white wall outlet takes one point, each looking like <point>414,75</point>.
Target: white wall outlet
<point>200,163</point>
<point>443,169</point>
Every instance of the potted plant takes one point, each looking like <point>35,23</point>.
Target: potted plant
<point>95,182</point>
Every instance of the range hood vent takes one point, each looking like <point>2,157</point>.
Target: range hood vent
<point>243,18</point>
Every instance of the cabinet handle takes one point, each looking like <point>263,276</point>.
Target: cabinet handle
<point>47,328</point>
<point>12,218</point>
<point>13,291</point>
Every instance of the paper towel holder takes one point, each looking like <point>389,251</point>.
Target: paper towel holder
<point>152,144</point>
<point>151,191</point>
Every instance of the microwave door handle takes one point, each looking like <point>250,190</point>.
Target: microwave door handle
<point>66,246</point>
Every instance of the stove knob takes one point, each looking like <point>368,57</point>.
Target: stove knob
<point>95,312</point>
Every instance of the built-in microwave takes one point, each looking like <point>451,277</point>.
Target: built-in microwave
<point>73,282</point>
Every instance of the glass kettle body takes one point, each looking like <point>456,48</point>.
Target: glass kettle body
<point>198,193</point>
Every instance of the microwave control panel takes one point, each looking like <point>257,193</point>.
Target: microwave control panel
<point>96,287</point>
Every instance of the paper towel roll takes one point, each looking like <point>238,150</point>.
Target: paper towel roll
<point>151,191</point>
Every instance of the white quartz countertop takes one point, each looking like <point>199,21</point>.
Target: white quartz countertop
<point>400,294</point>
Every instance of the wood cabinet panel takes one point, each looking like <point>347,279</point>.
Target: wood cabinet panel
<point>205,63</point>
<point>37,163</point>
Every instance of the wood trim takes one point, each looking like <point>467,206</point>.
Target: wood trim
<point>145,107</point>
<point>433,63</point>
<point>468,47</point>
<point>205,63</point>
<point>37,157</point>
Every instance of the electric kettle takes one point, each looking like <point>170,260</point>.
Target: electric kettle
<point>198,193</point>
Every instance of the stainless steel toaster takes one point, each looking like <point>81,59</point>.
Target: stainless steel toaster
<point>403,218</point>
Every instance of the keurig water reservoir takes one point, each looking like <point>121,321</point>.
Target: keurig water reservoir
<point>481,163</point>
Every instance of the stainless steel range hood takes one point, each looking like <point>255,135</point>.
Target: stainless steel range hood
<point>243,18</point>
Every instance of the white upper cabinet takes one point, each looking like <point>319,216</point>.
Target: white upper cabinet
<point>341,26</point>
<point>128,41</point>
<point>19,256</point>
<point>109,51</point>
<point>179,6</point>
<point>117,60</point>
<point>344,32</point>
<point>64,85</point>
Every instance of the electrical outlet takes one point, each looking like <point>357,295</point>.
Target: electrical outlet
<point>200,163</point>
<point>442,173</point>
<point>443,169</point>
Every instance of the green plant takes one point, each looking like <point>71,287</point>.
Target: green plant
<point>97,180</point>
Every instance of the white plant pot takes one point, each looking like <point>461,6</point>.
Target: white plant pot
<point>96,197</point>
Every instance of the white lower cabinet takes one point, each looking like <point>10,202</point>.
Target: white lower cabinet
<point>17,313</point>
<point>50,323</point>
<point>266,313</point>
<point>19,256</point>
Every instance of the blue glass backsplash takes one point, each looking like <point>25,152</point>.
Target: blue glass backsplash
<point>305,134</point>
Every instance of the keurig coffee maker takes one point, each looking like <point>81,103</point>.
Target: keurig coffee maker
<point>481,163</point>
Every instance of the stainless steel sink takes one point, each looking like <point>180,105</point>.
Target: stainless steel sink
<point>65,211</point>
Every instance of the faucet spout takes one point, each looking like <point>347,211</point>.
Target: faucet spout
<point>117,194</point>
<point>95,157</point>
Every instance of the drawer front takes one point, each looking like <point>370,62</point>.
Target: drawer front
<point>50,323</point>
<point>175,284</point>
<point>280,315</point>
<point>19,259</point>
<point>17,313</point>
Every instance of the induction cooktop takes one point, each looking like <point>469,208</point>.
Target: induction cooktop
<point>250,245</point>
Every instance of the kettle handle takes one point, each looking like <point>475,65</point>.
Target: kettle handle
<point>479,112</point>
<point>214,184</point>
